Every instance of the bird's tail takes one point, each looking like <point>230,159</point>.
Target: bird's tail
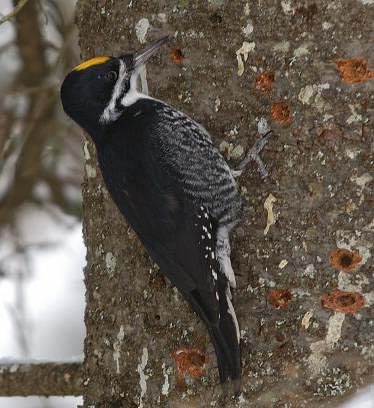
<point>224,336</point>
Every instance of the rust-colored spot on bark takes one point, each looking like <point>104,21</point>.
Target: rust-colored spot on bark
<point>280,298</point>
<point>264,82</point>
<point>189,361</point>
<point>354,71</point>
<point>281,113</point>
<point>340,301</point>
<point>177,56</point>
<point>345,260</point>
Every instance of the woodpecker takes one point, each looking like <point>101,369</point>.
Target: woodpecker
<point>171,184</point>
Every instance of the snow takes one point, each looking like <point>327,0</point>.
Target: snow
<point>53,295</point>
<point>363,399</point>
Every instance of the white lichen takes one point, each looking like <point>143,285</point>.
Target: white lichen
<point>87,155</point>
<point>165,386</point>
<point>248,29</point>
<point>353,240</point>
<point>301,51</point>
<point>162,18</point>
<point>352,152</point>
<point>217,104</point>
<point>354,117</point>
<point>246,9</point>
<point>287,7</point>
<point>312,95</point>
<point>362,180</point>
<point>143,377</point>
<point>244,51</point>
<point>268,205</point>
<point>141,29</point>
<point>117,348</point>
<point>326,25</point>
<point>263,126</point>
<point>283,47</point>
<point>283,263</point>
<point>317,361</point>
<point>305,322</point>
<point>90,171</point>
<point>237,152</point>
<point>309,271</point>
<point>110,262</point>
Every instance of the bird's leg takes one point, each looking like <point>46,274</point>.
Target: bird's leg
<point>223,252</point>
<point>253,154</point>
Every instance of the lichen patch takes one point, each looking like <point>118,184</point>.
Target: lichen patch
<point>244,51</point>
<point>268,205</point>
<point>143,377</point>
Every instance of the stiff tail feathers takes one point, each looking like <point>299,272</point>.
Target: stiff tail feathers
<point>225,336</point>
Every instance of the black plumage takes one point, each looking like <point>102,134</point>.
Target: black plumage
<point>170,183</point>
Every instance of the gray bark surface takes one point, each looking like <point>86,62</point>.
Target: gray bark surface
<point>306,346</point>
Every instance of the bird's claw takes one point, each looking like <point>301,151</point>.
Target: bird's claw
<point>253,154</point>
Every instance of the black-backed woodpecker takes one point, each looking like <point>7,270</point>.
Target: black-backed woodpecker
<point>171,184</point>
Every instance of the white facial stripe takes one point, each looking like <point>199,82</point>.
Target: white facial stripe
<point>110,113</point>
<point>133,95</point>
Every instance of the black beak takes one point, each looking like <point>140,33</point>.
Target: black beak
<point>142,57</point>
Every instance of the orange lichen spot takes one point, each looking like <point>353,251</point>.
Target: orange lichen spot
<point>91,62</point>
<point>280,298</point>
<point>354,71</point>
<point>189,361</point>
<point>177,56</point>
<point>264,82</point>
<point>281,113</point>
<point>345,260</point>
<point>340,301</point>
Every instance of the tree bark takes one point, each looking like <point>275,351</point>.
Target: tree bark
<point>308,74</point>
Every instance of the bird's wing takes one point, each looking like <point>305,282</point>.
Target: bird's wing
<point>185,252</point>
<point>178,234</point>
<point>204,175</point>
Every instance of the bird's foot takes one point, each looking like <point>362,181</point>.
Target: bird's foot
<point>253,154</point>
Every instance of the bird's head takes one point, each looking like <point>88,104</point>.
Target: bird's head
<point>96,92</point>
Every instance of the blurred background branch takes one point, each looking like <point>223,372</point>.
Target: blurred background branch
<point>33,142</point>
<point>41,379</point>
<point>40,191</point>
<point>19,5</point>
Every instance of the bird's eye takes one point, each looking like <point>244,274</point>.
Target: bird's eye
<point>111,76</point>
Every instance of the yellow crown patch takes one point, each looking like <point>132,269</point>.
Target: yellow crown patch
<point>91,62</point>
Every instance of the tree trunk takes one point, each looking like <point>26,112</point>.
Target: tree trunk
<point>304,344</point>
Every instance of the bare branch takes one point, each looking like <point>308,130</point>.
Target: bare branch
<point>13,13</point>
<point>41,379</point>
